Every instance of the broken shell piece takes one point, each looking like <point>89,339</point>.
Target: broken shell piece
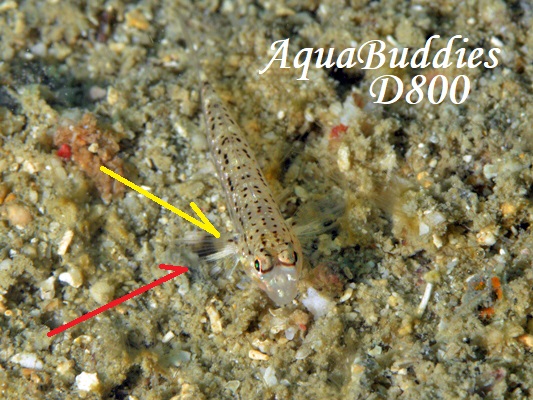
<point>346,296</point>
<point>65,242</point>
<point>257,355</point>
<point>168,337</point>
<point>214,318</point>
<point>27,360</point>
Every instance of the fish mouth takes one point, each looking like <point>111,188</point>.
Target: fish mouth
<point>281,284</point>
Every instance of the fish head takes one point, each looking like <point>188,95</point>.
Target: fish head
<point>278,271</point>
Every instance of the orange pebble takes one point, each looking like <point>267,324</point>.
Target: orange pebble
<point>497,287</point>
<point>487,312</point>
<point>337,130</point>
<point>64,151</point>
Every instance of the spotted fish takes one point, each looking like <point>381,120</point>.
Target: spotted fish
<point>266,244</point>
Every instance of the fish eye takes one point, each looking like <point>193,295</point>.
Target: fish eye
<point>257,265</point>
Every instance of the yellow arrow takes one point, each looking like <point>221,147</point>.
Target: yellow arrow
<point>204,224</point>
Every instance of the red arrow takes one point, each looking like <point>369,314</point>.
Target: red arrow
<point>177,272</point>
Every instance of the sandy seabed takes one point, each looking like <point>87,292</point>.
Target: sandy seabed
<point>422,288</point>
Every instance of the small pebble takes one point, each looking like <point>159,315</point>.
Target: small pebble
<point>93,148</point>
<point>102,292</point>
<point>136,19</point>
<point>4,191</point>
<point>65,367</point>
<point>5,264</point>
<point>97,93</point>
<point>18,215</point>
<point>508,209</point>
<point>87,382</point>
<point>113,96</point>
<point>490,171</point>
<point>47,288</point>
<point>290,333</point>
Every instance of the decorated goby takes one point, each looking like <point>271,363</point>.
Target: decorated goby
<point>266,244</point>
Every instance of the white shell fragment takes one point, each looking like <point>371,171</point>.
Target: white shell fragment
<point>87,382</point>
<point>423,229</point>
<point>168,337</point>
<point>317,304</point>
<point>346,296</point>
<point>27,360</point>
<point>425,299</point>
<point>269,376</point>
<point>72,278</point>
